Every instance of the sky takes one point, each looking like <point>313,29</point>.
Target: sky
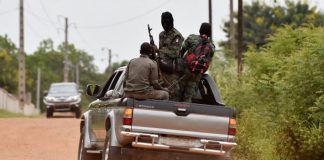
<point>120,25</point>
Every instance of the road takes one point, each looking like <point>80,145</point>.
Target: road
<point>39,138</point>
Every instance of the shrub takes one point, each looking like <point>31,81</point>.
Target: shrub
<point>279,97</point>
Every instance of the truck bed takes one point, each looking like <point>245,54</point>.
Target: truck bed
<point>181,119</point>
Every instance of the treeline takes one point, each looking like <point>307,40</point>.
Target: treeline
<point>279,97</point>
<point>50,62</point>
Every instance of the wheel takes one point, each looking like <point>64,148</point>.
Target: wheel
<point>105,152</point>
<point>49,112</point>
<point>110,152</point>
<point>77,112</point>
<point>82,152</point>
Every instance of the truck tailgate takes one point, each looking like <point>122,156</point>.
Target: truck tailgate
<point>179,118</point>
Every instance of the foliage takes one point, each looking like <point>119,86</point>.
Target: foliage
<point>50,62</point>
<point>279,98</point>
<point>115,66</point>
<point>8,58</point>
<point>261,20</point>
<point>6,114</point>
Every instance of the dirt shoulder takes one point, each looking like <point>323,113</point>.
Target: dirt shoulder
<point>39,138</point>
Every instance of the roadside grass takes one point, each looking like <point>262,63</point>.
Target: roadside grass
<point>7,114</point>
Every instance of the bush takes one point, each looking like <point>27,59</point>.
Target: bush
<point>279,97</point>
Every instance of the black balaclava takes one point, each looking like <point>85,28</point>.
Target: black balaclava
<point>205,29</point>
<point>146,49</point>
<point>167,21</point>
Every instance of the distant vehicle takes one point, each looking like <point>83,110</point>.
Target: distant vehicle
<point>63,97</point>
<point>115,127</point>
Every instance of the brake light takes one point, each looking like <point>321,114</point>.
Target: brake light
<point>232,127</point>
<point>128,116</point>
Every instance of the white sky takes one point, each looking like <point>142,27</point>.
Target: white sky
<point>120,25</point>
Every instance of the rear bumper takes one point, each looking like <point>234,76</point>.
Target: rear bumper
<point>149,154</point>
<point>222,149</point>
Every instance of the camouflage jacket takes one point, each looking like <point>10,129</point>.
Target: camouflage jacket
<point>170,43</point>
<point>190,44</point>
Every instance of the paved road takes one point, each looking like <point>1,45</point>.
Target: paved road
<point>39,138</point>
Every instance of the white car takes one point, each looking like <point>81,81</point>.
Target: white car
<point>63,97</point>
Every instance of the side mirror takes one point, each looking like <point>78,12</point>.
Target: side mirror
<point>45,93</point>
<point>93,90</point>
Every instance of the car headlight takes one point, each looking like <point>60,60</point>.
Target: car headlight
<point>49,99</point>
<point>73,98</point>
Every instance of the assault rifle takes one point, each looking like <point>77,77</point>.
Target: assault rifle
<point>151,37</point>
<point>153,56</point>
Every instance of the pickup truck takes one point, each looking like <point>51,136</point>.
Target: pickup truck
<point>119,128</point>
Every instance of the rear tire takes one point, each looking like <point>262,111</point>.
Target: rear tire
<point>105,151</point>
<point>109,152</point>
<point>82,152</point>
<point>49,112</point>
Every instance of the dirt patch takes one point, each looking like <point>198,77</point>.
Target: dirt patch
<point>39,138</point>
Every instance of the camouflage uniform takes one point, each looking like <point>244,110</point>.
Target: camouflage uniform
<point>169,46</point>
<point>141,74</point>
<point>188,85</point>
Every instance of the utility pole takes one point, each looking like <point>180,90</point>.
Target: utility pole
<point>240,38</point>
<point>109,61</point>
<point>211,18</point>
<point>38,88</point>
<point>66,58</point>
<point>232,29</point>
<point>77,73</point>
<point>21,58</point>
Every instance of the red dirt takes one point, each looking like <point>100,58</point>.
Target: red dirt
<point>39,138</point>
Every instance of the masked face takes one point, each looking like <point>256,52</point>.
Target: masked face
<point>167,21</point>
<point>167,24</point>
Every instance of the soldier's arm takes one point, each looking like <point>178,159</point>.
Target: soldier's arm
<point>160,40</point>
<point>154,77</point>
<point>213,49</point>
<point>184,47</point>
<point>126,74</point>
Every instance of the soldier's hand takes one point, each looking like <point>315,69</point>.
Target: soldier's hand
<point>155,48</point>
<point>165,89</point>
<point>152,41</point>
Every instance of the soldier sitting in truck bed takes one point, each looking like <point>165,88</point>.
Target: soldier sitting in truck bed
<point>141,79</point>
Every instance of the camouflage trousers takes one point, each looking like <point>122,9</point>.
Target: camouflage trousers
<point>189,85</point>
<point>174,90</point>
<point>152,94</point>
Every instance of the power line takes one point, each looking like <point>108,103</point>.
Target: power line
<point>33,30</point>
<point>127,20</point>
<point>47,15</point>
<point>43,20</point>
<point>84,40</point>
<point>49,18</point>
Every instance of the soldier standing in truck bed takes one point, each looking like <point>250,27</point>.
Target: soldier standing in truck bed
<point>170,41</point>
<point>192,44</point>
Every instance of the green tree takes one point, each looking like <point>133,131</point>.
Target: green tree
<point>116,65</point>
<point>50,61</point>
<point>262,20</point>
<point>9,65</point>
<point>280,97</point>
